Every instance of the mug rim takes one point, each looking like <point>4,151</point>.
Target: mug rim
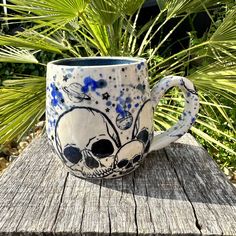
<point>132,60</point>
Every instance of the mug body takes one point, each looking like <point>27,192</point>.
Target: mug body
<point>99,114</point>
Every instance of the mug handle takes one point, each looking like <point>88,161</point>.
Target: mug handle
<point>188,116</point>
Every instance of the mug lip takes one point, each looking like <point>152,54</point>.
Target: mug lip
<point>133,61</point>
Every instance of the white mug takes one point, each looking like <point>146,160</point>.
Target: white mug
<point>99,114</point>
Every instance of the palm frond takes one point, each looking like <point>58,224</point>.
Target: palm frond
<point>223,41</point>
<point>16,55</point>
<point>60,11</point>
<point>33,42</point>
<point>102,12</point>
<point>22,104</point>
<point>166,115</point>
<point>129,7</point>
<point>176,8</point>
<point>220,76</point>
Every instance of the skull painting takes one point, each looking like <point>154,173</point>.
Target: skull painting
<point>99,153</point>
<point>91,154</point>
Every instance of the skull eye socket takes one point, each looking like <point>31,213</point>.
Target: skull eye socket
<point>137,158</point>
<point>91,162</point>
<point>72,154</point>
<point>143,136</point>
<point>123,163</point>
<point>102,148</point>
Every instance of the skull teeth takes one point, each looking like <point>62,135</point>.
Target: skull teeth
<point>100,173</point>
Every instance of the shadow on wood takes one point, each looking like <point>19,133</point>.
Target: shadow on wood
<point>178,169</point>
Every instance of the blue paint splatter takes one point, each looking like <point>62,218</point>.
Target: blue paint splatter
<point>121,101</point>
<point>129,106</point>
<point>56,95</point>
<point>136,105</point>
<point>52,123</point>
<point>193,119</point>
<point>139,66</point>
<point>90,83</point>
<point>120,110</point>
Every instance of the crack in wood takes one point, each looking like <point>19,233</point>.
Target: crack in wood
<point>149,210</point>
<point>82,217</point>
<point>109,215</point>
<point>135,204</point>
<point>99,194</point>
<point>60,202</point>
<point>197,224</point>
<point>122,191</point>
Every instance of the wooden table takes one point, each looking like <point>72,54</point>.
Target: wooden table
<point>179,190</point>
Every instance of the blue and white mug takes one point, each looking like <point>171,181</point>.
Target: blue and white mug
<point>99,114</point>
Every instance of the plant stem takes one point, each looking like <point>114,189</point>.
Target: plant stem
<point>125,44</point>
<point>145,41</point>
<point>133,30</point>
<point>121,20</point>
<point>166,37</point>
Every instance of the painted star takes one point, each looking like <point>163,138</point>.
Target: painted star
<point>65,78</point>
<point>105,96</point>
<point>107,110</point>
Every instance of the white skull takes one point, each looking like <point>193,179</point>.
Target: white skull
<point>87,141</point>
<point>129,156</point>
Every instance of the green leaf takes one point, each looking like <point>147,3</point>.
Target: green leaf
<point>102,12</point>
<point>22,104</point>
<point>16,55</point>
<point>60,11</point>
<point>32,42</point>
<point>176,8</point>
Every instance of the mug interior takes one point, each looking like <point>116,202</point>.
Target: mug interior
<point>99,61</point>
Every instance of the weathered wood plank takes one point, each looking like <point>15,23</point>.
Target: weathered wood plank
<point>212,196</point>
<point>177,191</point>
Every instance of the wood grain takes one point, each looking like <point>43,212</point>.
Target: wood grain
<point>178,190</point>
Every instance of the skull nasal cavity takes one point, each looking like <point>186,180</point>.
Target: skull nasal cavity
<point>102,148</point>
<point>91,162</point>
<point>73,154</point>
<point>143,136</point>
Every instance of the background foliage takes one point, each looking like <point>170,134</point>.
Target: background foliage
<point>75,28</point>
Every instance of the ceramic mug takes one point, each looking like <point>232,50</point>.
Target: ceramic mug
<point>99,114</point>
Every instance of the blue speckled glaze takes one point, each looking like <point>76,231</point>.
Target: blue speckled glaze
<point>99,114</point>
<point>90,83</point>
<point>57,97</point>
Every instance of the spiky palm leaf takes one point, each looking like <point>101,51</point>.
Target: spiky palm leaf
<point>15,55</point>
<point>22,105</point>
